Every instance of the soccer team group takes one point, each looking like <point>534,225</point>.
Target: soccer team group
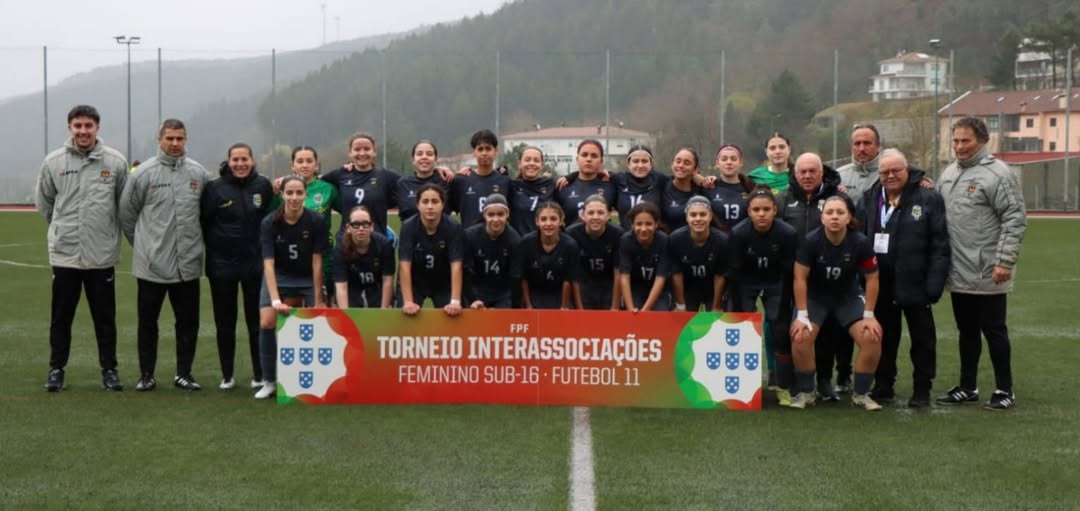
<point>834,258</point>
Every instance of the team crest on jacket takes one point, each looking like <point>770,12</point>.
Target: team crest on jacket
<point>257,200</point>
<point>971,189</point>
<point>916,212</point>
<point>105,174</point>
<point>195,186</point>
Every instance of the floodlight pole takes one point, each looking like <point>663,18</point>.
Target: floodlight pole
<point>128,41</point>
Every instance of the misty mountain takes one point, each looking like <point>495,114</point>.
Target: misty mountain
<point>217,98</point>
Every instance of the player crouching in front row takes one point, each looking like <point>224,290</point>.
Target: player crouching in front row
<point>826,284</point>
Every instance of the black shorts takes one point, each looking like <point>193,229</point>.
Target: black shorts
<point>439,297</point>
<point>596,295</point>
<point>698,295</point>
<point>775,303</point>
<point>845,310</point>
<point>545,299</point>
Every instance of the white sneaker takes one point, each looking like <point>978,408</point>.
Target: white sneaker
<point>865,402</point>
<point>257,384</point>
<point>803,400</point>
<point>267,391</point>
<point>227,384</point>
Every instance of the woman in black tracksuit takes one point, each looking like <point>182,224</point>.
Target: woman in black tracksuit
<point>231,209</point>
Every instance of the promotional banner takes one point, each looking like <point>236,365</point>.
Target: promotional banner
<point>521,357</point>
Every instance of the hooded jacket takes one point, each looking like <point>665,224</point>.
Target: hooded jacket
<point>232,210</point>
<point>918,254</point>
<point>78,194</point>
<point>159,214</point>
<point>857,177</point>
<point>987,221</point>
<point>802,213</point>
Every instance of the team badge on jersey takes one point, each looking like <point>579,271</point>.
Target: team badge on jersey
<point>916,212</point>
<point>495,189</point>
<point>257,200</point>
<point>318,198</point>
<point>372,183</point>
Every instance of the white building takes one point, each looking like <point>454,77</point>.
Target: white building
<point>1034,69</point>
<point>910,75</point>
<point>559,145</point>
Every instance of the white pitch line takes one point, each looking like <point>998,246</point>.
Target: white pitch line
<point>582,474</point>
<point>12,245</point>
<point>24,265</point>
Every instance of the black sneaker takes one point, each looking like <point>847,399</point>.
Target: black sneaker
<point>883,394</point>
<point>186,382</point>
<point>146,383</point>
<point>827,392</point>
<point>55,381</point>
<point>110,380</point>
<point>957,395</point>
<point>919,400</point>
<point>1000,400</point>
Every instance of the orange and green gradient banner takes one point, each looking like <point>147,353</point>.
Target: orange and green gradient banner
<point>521,357</point>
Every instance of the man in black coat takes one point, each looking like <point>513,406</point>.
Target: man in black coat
<point>911,239</point>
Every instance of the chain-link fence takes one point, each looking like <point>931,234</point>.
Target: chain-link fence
<point>275,100</point>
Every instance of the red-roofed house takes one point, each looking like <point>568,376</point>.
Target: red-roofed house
<point>559,144</point>
<point>1027,131</point>
<point>1030,121</point>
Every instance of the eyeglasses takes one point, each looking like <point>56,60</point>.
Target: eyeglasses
<point>891,172</point>
<point>364,224</point>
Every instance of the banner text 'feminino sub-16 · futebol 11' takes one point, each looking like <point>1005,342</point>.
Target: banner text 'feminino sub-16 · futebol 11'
<point>521,357</point>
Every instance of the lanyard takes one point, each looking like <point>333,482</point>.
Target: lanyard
<point>887,209</point>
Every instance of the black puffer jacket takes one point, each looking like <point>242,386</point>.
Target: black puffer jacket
<point>802,213</point>
<point>231,211</point>
<point>919,253</point>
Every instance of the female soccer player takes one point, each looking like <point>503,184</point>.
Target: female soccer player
<point>231,209</point>
<point>598,244</point>
<point>321,197</point>
<point>363,264</point>
<point>761,259</point>
<point>729,197</point>
<point>362,183</point>
<point>292,247</point>
<point>643,261</point>
<point>698,254</point>
<point>827,268</point>
<point>424,156</point>
<point>590,161</point>
<point>679,189</point>
<point>774,173</point>
<point>488,256</point>
<point>546,262</point>
<point>529,190</point>
<point>640,183</point>
<point>431,254</point>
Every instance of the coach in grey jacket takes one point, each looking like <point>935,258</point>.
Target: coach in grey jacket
<point>78,191</point>
<point>859,175</point>
<point>986,227</point>
<point>159,214</point>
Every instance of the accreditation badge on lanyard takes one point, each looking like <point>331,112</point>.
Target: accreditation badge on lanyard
<point>881,239</point>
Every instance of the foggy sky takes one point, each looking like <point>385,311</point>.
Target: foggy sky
<point>80,34</point>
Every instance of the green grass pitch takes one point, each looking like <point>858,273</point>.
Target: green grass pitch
<point>169,449</point>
